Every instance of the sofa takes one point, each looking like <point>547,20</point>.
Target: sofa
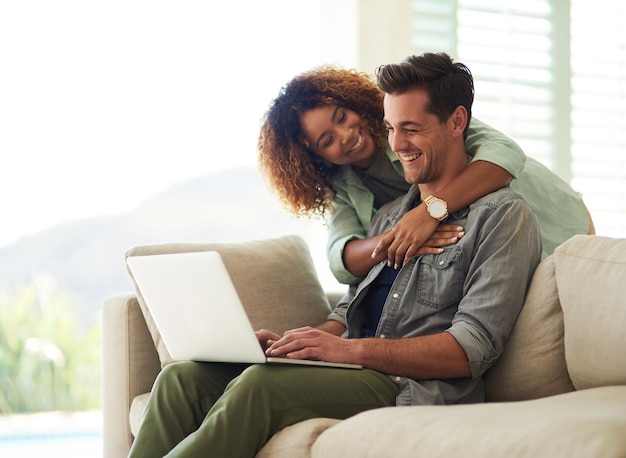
<point>558,390</point>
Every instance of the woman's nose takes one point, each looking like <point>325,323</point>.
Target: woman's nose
<point>345,134</point>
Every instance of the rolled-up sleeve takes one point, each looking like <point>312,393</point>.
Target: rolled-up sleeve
<point>340,310</point>
<point>343,225</point>
<point>508,249</point>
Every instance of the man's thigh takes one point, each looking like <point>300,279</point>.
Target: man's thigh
<point>296,393</point>
<point>266,398</point>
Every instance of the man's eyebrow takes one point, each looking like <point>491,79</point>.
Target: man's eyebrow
<point>404,123</point>
<point>334,116</point>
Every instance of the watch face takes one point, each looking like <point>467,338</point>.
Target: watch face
<point>437,209</point>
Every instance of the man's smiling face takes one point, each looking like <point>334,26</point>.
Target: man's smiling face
<point>418,137</point>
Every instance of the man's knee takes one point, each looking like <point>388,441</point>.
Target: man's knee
<point>175,374</point>
<point>262,380</point>
<point>256,375</point>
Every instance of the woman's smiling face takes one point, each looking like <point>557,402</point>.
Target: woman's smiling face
<point>339,136</point>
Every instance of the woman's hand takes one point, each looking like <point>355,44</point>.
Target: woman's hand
<point>416,233</point>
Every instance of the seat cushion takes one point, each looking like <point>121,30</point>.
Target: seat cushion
<point>576,424</point>
<point>274,278</point>
<point>137,410</point>
<point>295,441</point>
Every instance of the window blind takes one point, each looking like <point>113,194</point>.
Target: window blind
<point>551,74</point>
<point>598,65</point>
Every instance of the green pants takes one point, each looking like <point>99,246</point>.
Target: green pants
<point>231,410</point>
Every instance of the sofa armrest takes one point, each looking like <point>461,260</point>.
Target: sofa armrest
<point>130,365</point>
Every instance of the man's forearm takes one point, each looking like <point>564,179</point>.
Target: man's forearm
<point>436,356</point>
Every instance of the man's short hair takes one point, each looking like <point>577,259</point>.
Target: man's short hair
<point>448,83</point>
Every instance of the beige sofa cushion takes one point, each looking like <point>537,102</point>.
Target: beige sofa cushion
<point>591,277</point>
<point>295,441</point>
<point>274,278</point>
<point>579,424</point>
<point>137,411</point>
<point>533,362</point>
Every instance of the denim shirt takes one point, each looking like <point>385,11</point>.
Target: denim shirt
<point>474,290</point>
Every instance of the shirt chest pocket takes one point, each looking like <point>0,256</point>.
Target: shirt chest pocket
<point>440,278</point>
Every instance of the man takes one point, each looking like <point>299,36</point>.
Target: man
<point>425,333</point>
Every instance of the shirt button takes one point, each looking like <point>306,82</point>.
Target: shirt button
<point>398,378</point>
<point>395,295</point>
<point>441,263</point>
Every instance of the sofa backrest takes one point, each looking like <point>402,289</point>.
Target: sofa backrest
<point>533,362</point>
<point>571,332</point>
<point>591,280</point>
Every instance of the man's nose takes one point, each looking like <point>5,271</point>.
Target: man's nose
<point>396,142</point>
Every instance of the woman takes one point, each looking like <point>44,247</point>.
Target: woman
<point>322,147</point>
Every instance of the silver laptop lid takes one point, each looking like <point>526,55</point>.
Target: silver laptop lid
<point>195,307</point>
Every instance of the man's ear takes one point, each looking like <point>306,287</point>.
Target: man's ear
<point>459,120</point>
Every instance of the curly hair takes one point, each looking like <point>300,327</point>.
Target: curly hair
<point>302,179</point>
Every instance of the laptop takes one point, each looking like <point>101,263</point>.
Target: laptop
<point>196,309</point>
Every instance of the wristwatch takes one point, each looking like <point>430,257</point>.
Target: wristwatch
<point>437,208</point>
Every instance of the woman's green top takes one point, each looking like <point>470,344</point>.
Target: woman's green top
<point>560,210</point>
